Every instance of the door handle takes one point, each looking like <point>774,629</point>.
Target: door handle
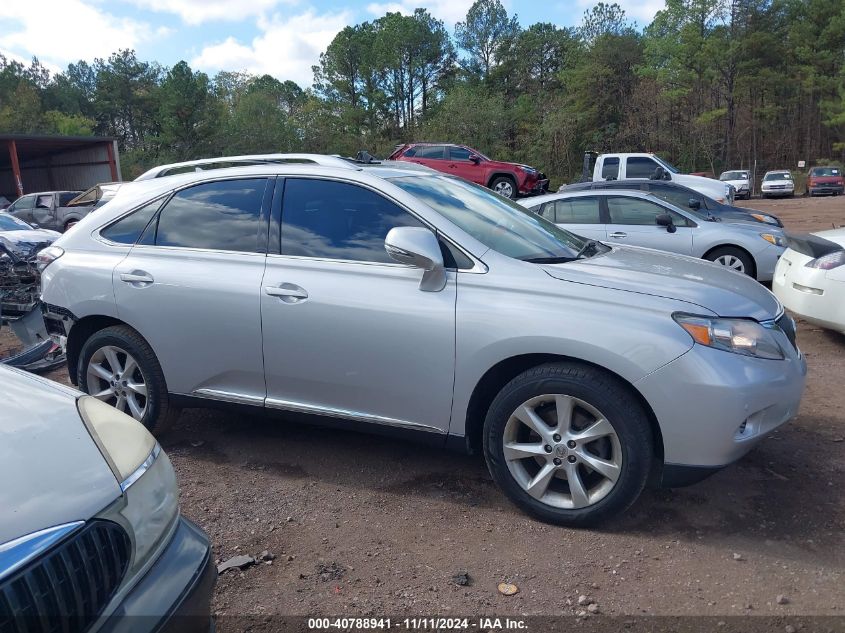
<point>619,235</point>
<point>137,277</point>
<point>289,293</point>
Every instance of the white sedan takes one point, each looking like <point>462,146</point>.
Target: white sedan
<point>810,278</point>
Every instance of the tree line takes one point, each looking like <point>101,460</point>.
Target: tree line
<point>709,84</point>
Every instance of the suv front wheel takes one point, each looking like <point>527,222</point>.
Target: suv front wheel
<point>504,186</point>
<point>119,367</point>
<point>568,443</point>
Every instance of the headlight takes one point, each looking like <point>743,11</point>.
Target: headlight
<point>150,501</point>
<point>740,336</point>
<point>777,240</point>
<point>829,261</point>
<point>762,217</point>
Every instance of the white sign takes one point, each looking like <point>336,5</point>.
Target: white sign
<point>802,163</point>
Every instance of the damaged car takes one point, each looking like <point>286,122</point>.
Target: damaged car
<point>19,289</point>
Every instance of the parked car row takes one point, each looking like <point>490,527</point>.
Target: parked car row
<point>779,183</point>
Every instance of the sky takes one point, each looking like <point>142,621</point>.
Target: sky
<point>283,38</point>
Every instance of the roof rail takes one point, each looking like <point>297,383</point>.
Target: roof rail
<point>245,160</point>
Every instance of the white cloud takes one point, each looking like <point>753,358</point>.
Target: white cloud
<point>286,48</point>
<point>199,11</point>
<point>62,31</point>
<point>450,11</point>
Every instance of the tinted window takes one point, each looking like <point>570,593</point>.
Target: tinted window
<point>223,215</point>
<point>430,151</point>
<point>337,220</point>
<point>411,151</point>
<point>128,229</point>
<point>459,153</point>
<point>638,212</point>
<point>610,169</point>
<point>824,171</point>
<point>640,167</point>
<point>577,211</point>
<point>780,175</point>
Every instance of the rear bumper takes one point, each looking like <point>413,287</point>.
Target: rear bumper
<point>175,594</point>
<point>809,292</point>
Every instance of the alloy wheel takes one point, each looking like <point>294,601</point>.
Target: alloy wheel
<point>115,377</point>
<point>504,188</point>
<point>562,451</point>
<point>731,261</point>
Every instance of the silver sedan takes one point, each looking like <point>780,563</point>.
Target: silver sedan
<point>637,218</point>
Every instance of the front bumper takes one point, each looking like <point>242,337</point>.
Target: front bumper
<point>826,189</point>
<point>175,594</point>
<point>714,406</point>
<point>810,292</point>
<point>771,191</point>
<point>536,188</point>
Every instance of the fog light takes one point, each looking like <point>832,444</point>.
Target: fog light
<point>808,290</point>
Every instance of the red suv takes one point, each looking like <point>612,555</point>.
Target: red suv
<point>507,179</point>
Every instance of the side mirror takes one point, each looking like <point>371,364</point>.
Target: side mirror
<point>664,219</point>
<point>694,203</point>
<point>418,247</point>
<point>474,159</point>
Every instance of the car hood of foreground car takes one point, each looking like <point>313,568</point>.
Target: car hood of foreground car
<point>694,281</point>
<point>21,242</point>
<point>51,470</point>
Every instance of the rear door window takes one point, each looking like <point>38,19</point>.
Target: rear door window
<point>221,215</point>
<point>577,211</point>
<point>610,169</point>
<point>128,229</point>
<point>430,151</point>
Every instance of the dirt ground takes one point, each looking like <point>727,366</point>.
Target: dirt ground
<point>363,525</point>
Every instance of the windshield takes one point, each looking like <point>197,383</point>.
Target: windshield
<point>11,223</point>
<point>493,220</point>
<point>778,175</point>
<point>825,171</point>
<point>734,175</point>
<point>667,165</point>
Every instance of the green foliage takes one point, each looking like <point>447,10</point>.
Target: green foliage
<point>710,84</point>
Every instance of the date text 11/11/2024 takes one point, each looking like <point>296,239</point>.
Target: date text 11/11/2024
<point>416,624</point>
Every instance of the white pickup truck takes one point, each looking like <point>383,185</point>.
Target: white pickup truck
<point>642,166</point>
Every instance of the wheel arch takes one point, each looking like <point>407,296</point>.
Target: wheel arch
<point>507,369</point>
<point>81,331</point>
<point>737,247</point>
<point>499,174</point>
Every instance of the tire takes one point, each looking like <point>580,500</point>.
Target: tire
<point>733,258</point>
<point>69,225</point>
<point>119,344</point>
<point>505,186</point>
<point>591,391</point>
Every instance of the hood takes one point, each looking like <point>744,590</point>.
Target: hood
<point>706,286</point>
<point>713,188</point>
<point>507,164</point>
<point>836,236</point>
<point>24,241</point>
<point>779,181</point>
<point>53,473</point>
<point>737,183</point>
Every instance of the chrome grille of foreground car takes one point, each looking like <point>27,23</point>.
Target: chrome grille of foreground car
<point>68,587</point>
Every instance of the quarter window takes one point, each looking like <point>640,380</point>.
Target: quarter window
<point>640,167</point>
<point>337,220</point>
<point>223,215</point>
<point>128,229</point>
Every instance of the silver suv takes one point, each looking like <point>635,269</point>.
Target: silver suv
<point>410,301</point>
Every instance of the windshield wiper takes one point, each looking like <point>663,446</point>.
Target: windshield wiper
<point>589,244</point>
<point>549,260</point>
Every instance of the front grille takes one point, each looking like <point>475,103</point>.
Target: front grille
<point>66,589</point>
<point>786,324</point>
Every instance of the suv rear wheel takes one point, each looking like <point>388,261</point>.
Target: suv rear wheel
<point>504,186</point>
<point>118,366</point>
<point>568,443</point>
